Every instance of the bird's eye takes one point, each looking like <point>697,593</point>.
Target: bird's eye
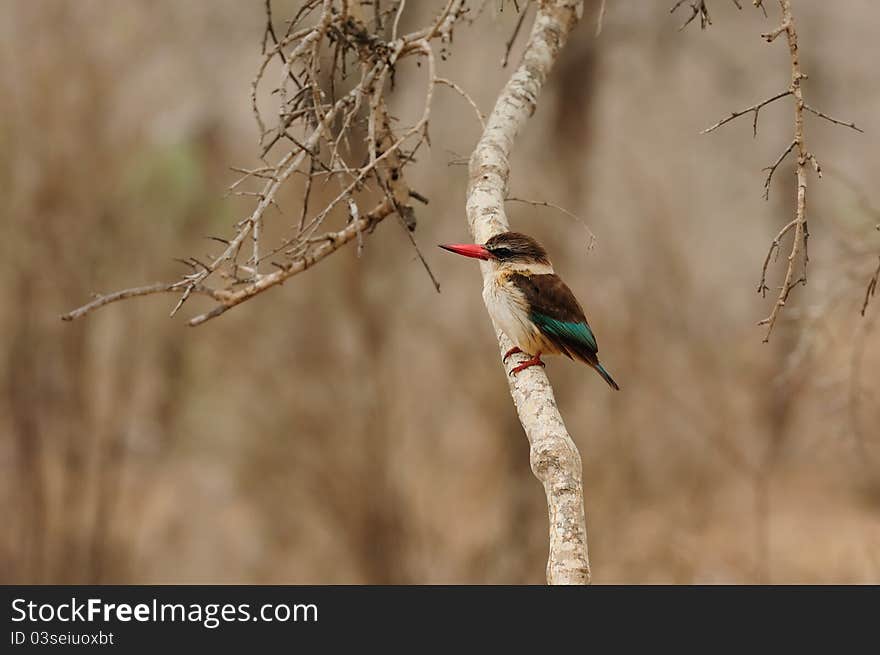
<point>501,253</point>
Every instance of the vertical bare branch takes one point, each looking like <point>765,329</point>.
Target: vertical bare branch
<point>804,158</point>
<point>554,457</point>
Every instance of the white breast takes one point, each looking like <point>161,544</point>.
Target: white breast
<point>509,310</point>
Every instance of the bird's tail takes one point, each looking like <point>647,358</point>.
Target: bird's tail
<point>606,376</point>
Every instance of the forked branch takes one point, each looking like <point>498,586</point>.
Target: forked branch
<point>698,8</point>
<point>335,68</point>
<point>798,252</point>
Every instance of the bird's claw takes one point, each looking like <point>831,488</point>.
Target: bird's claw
<point>534,361</point>
<point>510,352</point>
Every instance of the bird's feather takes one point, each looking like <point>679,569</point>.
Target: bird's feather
<point>558,315</point>
<point>606,376</point>
<point>566,331</point>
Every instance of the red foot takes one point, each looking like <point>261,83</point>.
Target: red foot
<point>534,361</point>
<point>510,352</point>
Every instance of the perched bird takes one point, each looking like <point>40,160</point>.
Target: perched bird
<point>534,307</point>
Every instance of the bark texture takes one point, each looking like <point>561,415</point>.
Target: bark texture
<point>555,460</point>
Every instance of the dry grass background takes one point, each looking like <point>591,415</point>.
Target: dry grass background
<point>354,426</point>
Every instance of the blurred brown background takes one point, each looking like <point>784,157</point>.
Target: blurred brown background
<point>355,427</point>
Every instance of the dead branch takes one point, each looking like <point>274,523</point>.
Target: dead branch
<point>317,249</point>
<point>799,241</point>
<point>319,114</point>
<point>159,287</point>
<point>804,157</point>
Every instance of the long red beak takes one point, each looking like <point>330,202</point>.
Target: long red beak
<point>474,250</point>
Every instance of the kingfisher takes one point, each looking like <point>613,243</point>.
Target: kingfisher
<point>531,304</point>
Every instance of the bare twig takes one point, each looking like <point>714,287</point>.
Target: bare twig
<point>150,289</point>
<point>421,257</point>
<point>754,108</point>
<point>468,99</point>
<point>832,119</point>
<point>509,45</point>
<point>319,247</point>
<point>543,203</point>
<point>772,168</point>
<point>698,8</point>
<point>870,289</point>
<point>397,16</point>
<point>773,253</point>
<point>860,340</point>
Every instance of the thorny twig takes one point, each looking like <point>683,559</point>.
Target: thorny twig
<point>334,70</point>
<point>804,157</point>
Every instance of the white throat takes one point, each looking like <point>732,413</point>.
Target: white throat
<point>526,268</point>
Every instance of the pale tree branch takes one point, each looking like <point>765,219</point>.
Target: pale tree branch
<point>147,290</point>
<point>554,457</point>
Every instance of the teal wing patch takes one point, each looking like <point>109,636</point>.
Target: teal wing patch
<point>579,333</point>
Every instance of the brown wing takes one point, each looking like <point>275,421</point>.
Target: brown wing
<point>556,312</point>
